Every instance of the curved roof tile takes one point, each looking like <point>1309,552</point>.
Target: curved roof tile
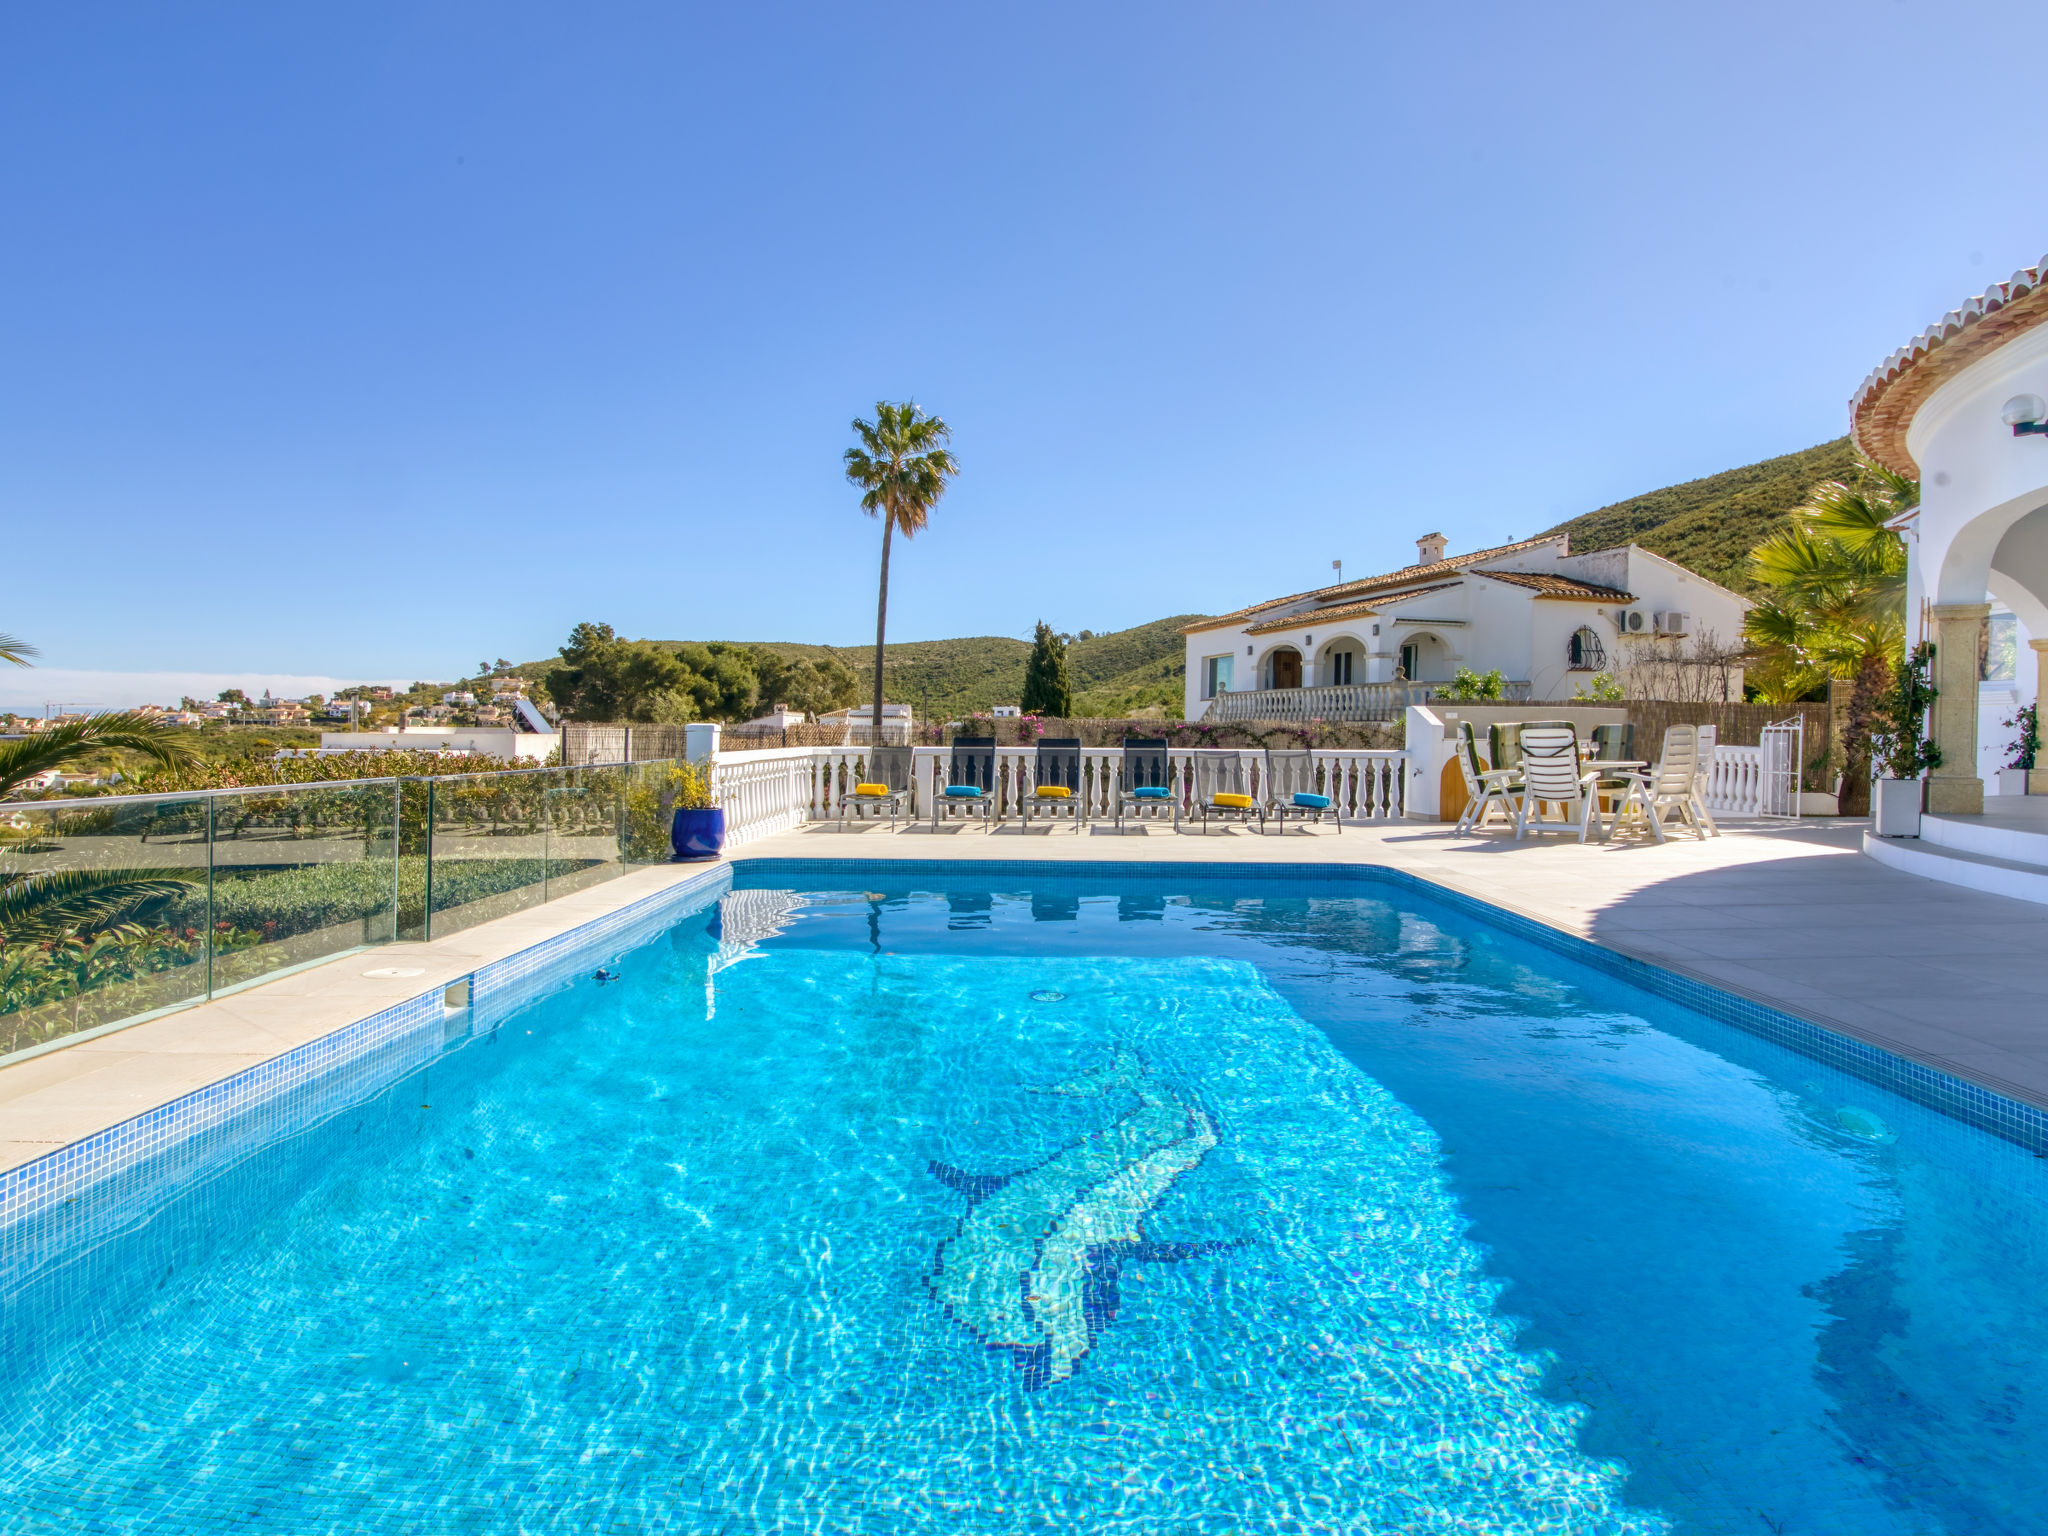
<point>1881,410</point>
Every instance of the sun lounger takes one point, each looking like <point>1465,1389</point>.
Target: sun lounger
<point>1147,788</point>
<point>884,788</point>
<point>1057,789</point>
<point>969,793</point>
<point>1291,793</point>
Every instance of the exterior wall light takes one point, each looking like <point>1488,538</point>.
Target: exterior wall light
<point>2026,414</point>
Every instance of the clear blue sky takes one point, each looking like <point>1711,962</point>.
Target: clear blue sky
<point>372,340</point>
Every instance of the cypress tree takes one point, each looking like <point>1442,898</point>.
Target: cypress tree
<point>1048,685</point>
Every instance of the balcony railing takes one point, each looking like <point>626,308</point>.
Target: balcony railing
<point>1348,701</point>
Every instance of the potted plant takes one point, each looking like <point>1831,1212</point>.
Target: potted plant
<point>2014,777</point>
<point>698,831</point>
<point>1899,746</point>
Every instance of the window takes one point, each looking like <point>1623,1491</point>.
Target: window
<point>1584,652</point>
<point>1216,675</point>
<point>2001,655</point>
<point>1340,666</point>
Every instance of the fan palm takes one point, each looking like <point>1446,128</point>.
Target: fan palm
<point>47,904</point>
<point>1834,603</point>
<point>71,741</point>
<point>901,466</point>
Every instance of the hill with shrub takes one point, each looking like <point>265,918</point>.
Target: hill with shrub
<point>1710,525</point>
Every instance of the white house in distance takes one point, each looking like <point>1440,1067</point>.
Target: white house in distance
<point>1547,619</point>
<point>1963,408</point>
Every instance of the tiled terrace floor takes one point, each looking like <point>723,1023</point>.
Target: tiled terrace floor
<point>1792,916</point>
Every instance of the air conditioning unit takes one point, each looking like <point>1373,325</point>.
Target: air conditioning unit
<point>1634,621</point>
<point>1673,623</point>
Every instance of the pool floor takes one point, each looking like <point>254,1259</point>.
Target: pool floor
<point>1115,1207</point>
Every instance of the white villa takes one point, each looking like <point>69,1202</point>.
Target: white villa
<point>1964,409</point>
<point>1547,619</point>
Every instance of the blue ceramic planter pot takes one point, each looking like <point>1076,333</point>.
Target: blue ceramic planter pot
<point>698,834</point>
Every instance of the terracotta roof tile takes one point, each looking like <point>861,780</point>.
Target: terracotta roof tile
<point>1350,591</point>
<point>1882,408</point>
<point>1558,586</point>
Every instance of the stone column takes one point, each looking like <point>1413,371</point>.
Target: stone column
<point>1954,787</point>
<point>2037,776</point>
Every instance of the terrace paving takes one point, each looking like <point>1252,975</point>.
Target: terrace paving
<point>1790,915</point>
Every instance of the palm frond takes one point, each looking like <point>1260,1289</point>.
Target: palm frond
<point>51,904</point>
<point>16,650</point>
<point>61,746</point>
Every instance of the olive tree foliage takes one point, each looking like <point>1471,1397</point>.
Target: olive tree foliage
<point>604,678</point>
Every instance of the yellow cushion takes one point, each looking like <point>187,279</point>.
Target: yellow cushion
<point>871,789</point>
<point>1236,802</point>
<point>1053,792</point>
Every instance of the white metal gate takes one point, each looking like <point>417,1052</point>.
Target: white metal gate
<point>1783,745</point>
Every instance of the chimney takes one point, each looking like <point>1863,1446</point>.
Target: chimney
<point>1429,549</point>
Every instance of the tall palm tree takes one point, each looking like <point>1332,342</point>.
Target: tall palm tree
<point>901,466</point>
<point>1834,605</point>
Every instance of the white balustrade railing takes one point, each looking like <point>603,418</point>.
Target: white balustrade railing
<point>763,792</point>
<point>1735,781</point>
<point>1343,701</point>
<point>780,788</point>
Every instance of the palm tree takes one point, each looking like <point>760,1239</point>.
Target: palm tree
<point>44,904</point>
<point>1834,605</point>
<point>70,741</point>
<point>901,466</point>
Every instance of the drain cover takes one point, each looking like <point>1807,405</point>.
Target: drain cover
<point>1048,996</point>
<point>383,971</point>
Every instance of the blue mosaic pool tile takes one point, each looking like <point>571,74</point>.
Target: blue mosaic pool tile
<point>117,1177</point>
<point>2013,1119</point>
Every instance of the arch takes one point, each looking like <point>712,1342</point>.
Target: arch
<point>1964,574</point>
<point>1329,671</point>
<point>1280,666</point>
<point>1434,658</point>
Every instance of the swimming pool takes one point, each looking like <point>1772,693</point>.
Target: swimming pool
<point>1174,1205</point>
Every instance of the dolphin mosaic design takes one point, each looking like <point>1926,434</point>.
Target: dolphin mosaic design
<point>1034,1265</point>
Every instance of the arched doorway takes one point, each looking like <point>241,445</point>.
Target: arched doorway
<point>1284,669</point>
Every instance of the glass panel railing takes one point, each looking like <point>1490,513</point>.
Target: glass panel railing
<point>113,909</point>
<point>300,874</point>
<point>487,855</point>
<point>103,914</point>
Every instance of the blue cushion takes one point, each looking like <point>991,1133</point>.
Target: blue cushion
<point>1151,793</point>
<point>1313,802</point>
<point>964,791</point>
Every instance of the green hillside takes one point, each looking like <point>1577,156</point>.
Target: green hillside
<point>1711,525</point>
<point>1124,668</point>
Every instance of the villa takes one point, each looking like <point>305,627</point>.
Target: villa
<point>1961,408</point>
<point>1545,618</point>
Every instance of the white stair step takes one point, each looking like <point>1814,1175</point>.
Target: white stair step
<point>1992,836</point>
<point>1956,866</point>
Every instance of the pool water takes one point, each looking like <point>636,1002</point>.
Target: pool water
<point>1094,1207</point>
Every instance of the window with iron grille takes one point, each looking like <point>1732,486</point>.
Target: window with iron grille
<point>1584,651</point>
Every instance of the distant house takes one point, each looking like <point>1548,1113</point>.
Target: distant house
<point>459,697</point>
<point>782,717</point>
<point>1545,618</point>
<point>896,720</point>
<point>534,745</point>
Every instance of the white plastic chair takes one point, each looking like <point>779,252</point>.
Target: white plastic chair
<point>1486,789</point>
<point>1551,775</point>
<point>1673,785</point>
<point>1705,780</point>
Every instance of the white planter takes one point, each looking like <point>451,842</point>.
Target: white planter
<point>1896,804</point>
<point>2012,781</point>
<point>1814,803</point>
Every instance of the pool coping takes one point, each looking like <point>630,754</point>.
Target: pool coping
<point>193,1132</point>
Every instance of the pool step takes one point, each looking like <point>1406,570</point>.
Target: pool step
<point>1960,866</point>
